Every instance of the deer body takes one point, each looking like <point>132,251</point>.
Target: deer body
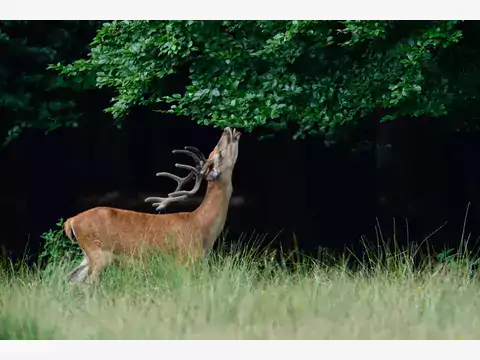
<point>103,233</point>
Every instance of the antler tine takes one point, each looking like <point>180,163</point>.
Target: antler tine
<point>180,181</point>
<point>163,202</point>
<point>198,160</point>
<point>197,152</point>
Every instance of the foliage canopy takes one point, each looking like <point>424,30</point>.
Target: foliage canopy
<point>312,75</point>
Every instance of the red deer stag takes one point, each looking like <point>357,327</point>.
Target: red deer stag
<point>104,233</point>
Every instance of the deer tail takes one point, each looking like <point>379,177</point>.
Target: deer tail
<point>68,228</point>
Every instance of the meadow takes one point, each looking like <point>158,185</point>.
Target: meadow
<point>245,296</point>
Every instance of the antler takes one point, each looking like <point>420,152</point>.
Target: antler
<point>179,194</point>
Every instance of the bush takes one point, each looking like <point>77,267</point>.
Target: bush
<point>57,247</point>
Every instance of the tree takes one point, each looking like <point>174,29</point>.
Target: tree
<point>31,96</point>
<point>314,76</point>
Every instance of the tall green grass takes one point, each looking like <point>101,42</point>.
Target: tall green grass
<point>240,295</point>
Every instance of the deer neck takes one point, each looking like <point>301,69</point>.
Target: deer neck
<point>212,213</point>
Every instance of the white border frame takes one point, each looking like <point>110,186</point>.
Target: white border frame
<point>237,350</point>
<point>246,9</point>
<point>243,10</point>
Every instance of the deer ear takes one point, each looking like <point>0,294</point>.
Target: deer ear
<point>212,175</point>
<point>210,170</point>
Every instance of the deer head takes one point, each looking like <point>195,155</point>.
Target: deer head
<point>223,157</point>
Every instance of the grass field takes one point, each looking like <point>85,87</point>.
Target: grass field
<point>237,297</point>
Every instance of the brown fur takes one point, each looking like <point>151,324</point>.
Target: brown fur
<point>105,232</point>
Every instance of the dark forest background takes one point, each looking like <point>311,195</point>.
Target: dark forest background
<point>382,132</point>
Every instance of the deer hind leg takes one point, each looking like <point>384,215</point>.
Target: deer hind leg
<point>99,260</point>
<point>79,274</point>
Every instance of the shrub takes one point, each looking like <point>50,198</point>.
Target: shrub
<point>57,247</point>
